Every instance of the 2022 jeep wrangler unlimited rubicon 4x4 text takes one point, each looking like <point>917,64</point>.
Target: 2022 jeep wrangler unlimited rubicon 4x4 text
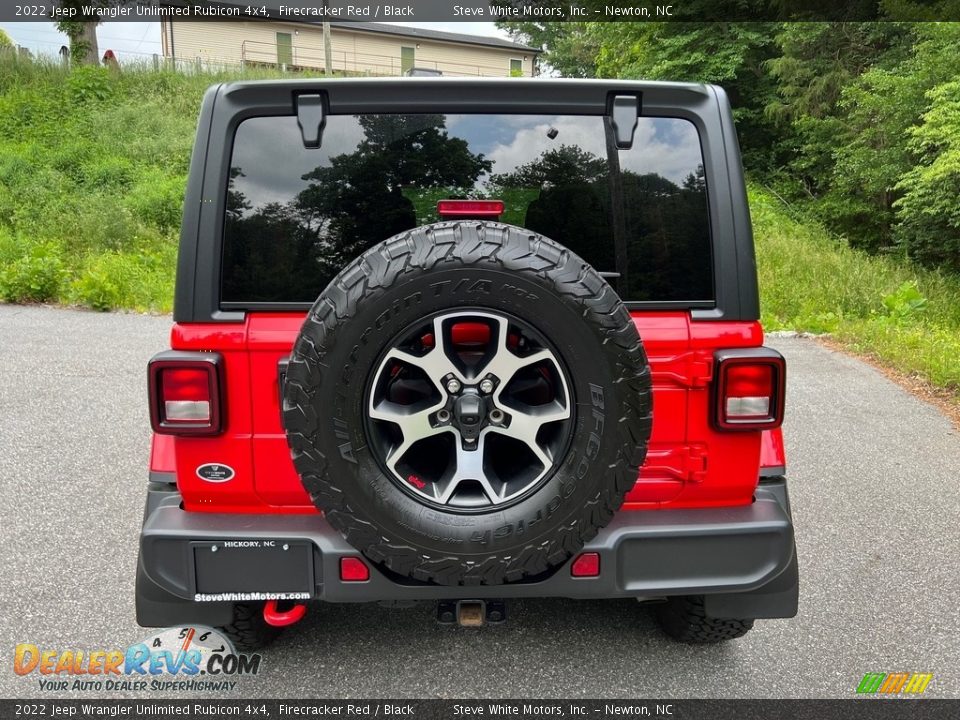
<point>466,341</point>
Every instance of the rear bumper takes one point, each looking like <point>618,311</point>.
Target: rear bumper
<point>741,558</point>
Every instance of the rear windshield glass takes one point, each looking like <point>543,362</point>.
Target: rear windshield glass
<point>295,216</point>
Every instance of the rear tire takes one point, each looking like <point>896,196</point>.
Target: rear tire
<point>397,303</point>
<point>249,631</point>
<point>684,619</point>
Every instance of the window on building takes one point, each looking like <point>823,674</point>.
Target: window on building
<point>406,58</point>
<point>284,49</point>
<point>516,67</point>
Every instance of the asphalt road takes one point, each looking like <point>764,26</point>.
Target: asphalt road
<point>874,480</point>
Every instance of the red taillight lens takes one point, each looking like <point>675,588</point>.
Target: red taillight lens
<point>353,569</point>
<point>185,393</point>
<point>470,208</point>
<point>750,389</point>
<point>586,565</point>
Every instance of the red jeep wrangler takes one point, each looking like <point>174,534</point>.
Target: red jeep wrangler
<point>464,341</point>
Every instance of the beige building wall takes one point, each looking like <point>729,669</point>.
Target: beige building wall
<point>354,52</point>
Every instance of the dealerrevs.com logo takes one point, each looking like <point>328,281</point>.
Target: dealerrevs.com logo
<point>179,658</point>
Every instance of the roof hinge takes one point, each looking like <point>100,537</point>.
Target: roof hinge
<point>311,117</point>
<point>624,111</point>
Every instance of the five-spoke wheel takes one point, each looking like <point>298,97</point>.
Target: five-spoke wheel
<point>469,410</point>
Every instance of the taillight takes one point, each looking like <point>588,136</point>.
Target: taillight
<point>470,208</point>
<point>185,397</point>
<point>750,388</point>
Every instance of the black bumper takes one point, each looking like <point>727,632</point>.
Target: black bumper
<point>742,559</point>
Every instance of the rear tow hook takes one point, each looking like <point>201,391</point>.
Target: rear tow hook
<point>471,613</point>
<point>276,618</point>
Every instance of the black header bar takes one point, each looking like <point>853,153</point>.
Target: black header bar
<point>481,10</point>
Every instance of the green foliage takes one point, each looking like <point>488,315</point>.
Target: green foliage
<point>872,153</point>
<point>904,302</point>
<point>140,281</point>
<point>36,276</point>
<point>733,55</point>
<point>857,121</point>
<point>5,42</point>
<point>570,48</point>
<point>812,281</point>
<point>87,84</point>
<point>929,210</point>
<point>157,199</point>
<point>93,166</point>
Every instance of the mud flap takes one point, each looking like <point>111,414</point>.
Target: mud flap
<point>777,599</point>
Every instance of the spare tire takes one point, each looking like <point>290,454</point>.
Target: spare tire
<point>468,402</point>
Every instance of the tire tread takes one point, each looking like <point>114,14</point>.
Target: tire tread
<point>507,248</point>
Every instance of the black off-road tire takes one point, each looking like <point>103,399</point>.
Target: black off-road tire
<point>249,631</point>
<point>482,266</point>
<point>683,618</point>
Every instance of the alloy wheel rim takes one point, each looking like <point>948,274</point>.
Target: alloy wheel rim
<point>469,410</point>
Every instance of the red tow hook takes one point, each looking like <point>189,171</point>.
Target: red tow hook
<point>274,617</point>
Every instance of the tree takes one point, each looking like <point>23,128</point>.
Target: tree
<point>362,197</point>
<point>351,203</point>
<point>929,214</point>
<point>567,164</point>
<point>569,48</point>
<point>82,31</point>
<point>732,55</point>
<point>855,94</point>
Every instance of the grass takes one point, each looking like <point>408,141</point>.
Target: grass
<point>93,165</point>
<point>811,281</point>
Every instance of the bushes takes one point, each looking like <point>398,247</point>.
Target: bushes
<point>859,122</point>
<point>126,280</point>
<point>812,281</point>
<point>929,230</point>
<point>92,174</point>
<point>93,165</point>
<point>36,275</point>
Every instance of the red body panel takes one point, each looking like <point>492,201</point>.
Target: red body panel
<point>689,464</point>
<point>162,454</point>
<point>772,454</point>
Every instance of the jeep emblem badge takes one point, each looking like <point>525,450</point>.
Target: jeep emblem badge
<point>215,472</point>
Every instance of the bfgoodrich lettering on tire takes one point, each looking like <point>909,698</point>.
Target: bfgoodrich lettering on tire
<point>468,403</point>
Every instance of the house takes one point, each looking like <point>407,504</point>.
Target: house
<point>357,48</point>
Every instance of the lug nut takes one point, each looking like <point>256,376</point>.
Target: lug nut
<point>453,386</point>
<point>443,415</point>
<point>487,386</point>
<point>496,416</point>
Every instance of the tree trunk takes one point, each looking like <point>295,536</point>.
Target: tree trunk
<point>89,51</point>
<point>83,40</point>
